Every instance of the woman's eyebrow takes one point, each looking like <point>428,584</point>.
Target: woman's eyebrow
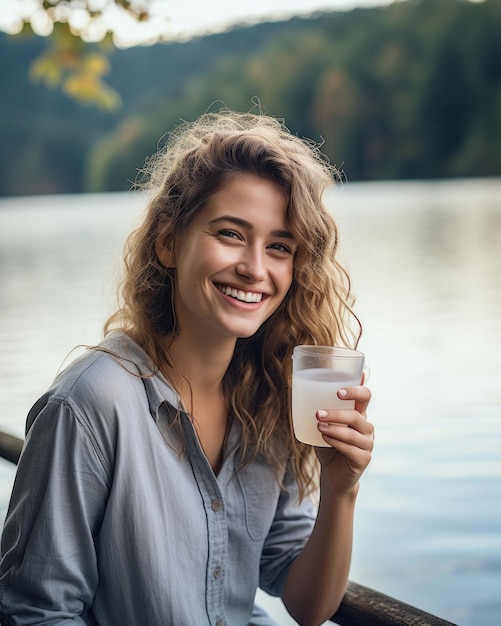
<point>238,221</point>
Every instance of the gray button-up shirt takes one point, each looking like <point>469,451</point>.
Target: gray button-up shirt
<point>111,523</point>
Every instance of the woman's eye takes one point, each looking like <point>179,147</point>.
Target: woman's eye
<point>229,233</point>
<point>281,247</point>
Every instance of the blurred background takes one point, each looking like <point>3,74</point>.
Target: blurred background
<point>407,90</point>
<point>406,99</point>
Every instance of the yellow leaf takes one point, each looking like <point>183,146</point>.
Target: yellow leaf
<point>96,63</point>
<point>46,69</point>
<point>88,89</point>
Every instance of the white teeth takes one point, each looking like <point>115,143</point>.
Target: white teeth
<point>244,296</point>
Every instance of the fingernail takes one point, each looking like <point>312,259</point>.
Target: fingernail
<point>322,414</point>
<point>342,393</point>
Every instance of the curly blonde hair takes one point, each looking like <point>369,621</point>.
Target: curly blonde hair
<point>198,158</point>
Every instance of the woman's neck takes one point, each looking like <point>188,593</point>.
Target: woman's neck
<point>197,369</point>
<point>197,375</point>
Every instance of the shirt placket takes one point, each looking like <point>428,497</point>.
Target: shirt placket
<point>217,536</point>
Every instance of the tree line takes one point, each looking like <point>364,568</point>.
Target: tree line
<point>407,91</point>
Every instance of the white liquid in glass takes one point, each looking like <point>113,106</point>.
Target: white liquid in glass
<point>314,389</point>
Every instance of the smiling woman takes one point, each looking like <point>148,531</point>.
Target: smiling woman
<point>183,411</point>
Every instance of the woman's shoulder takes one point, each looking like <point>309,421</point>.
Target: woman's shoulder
<point>107,379</point>
<point>108,369</point>
<point>101,393</point>
<point>103,397</point>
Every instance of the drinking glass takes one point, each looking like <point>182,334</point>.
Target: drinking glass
<point>318,372</point>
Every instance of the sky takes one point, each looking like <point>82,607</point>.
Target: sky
<point>186,18</point>
<point>190,16</point>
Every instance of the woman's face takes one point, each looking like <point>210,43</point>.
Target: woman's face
<point>234,263</point>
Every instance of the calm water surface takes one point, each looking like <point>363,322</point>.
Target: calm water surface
<point>425,259</point>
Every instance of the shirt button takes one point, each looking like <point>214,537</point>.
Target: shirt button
<point>216,572</point>
<point>216,505</point>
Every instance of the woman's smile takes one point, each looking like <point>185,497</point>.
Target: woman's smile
<point>239,294</point>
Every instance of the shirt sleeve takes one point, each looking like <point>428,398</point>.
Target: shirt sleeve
<point>48,572</point>
<point>290,530</point>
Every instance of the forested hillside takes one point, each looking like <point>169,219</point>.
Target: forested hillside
<point>412,90</point>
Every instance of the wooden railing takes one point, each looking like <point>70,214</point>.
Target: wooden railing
<point>361,606</point>
<point>10,447</point>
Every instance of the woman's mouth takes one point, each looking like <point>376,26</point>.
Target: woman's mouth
<point>239,294</point>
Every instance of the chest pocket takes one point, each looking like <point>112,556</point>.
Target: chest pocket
<point>260,492</point>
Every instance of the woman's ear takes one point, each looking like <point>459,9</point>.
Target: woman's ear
<point>165,254</point>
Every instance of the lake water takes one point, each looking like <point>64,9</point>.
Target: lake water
<point>425,259</point>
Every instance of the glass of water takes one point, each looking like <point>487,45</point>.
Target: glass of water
<point>318,372</point>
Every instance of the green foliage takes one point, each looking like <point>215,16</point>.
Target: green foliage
<point>77,68</point>
<point>412,90</point>
<point>69,61</point>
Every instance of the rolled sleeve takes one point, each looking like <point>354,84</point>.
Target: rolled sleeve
<point>291,528</point>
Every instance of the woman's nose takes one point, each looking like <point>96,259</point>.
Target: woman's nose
<point>252,266</point>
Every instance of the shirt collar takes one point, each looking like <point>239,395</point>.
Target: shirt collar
<point>158,389</point>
